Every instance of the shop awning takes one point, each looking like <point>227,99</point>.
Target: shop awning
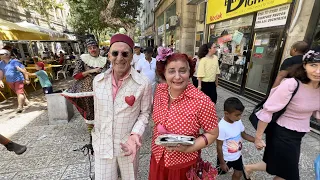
<point>54,35</point>
<point>12,31</point>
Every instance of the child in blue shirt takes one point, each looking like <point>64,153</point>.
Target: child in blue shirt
<point>42,76</point>
<point>229,142</point>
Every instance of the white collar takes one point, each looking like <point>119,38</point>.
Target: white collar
<point>94,61</point>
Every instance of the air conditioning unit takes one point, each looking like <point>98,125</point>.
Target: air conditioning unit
<point>173,20</point>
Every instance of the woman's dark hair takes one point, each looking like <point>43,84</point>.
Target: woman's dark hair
<point>161,65</point>
<point>297,71</point>
<point>204,49</point>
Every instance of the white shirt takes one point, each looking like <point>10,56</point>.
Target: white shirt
<point>136,59</point>
<point>230,134</point>
<point>148,69</point>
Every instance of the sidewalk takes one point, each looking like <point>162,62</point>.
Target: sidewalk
<point>50,152</point>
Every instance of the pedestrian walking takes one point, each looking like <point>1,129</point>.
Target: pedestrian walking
<point>137,56</point>
<point>194,77</point>
<point>298,49</point>
<point>147,67</point>
<point>208,71</point>
<point>179,108</point>
<point>283,138</point>
<point>42,76</point>
<point>14,78</point>
<point>122,105</point>
<point>229,142</point>
<point>12,146</point>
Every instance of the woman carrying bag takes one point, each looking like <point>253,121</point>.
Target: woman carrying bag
<point>283,138</point>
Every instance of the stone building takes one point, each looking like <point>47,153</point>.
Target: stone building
<point>175,22</point>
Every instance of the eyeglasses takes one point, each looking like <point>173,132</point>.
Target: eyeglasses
<point>116,53</point>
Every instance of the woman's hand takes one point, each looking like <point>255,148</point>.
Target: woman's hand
<point>96,70</point>
<point>259,143</point>
<point>179,148</point>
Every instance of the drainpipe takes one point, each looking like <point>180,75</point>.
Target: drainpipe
<point>295,19</point>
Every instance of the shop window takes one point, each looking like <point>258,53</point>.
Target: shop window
<point>232,38</point>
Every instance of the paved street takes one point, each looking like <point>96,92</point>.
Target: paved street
<point>50,152</point>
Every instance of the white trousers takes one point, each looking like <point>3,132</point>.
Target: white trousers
<point>107,169</point>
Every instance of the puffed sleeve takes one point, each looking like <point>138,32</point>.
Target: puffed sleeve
<point>201,69</point>
<point>277,100</point>
<point>207,116</point>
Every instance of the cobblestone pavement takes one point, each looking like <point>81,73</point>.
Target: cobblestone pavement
<point>50,152</point>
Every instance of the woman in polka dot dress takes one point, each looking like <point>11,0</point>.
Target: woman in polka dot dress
<point>179,108</point>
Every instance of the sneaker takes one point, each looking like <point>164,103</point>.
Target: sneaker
<point>19,110</point>
<point>17,148</point>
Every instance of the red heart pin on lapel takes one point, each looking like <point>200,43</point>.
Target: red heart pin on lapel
<point>130,100</point>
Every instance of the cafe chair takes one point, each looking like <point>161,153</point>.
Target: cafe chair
<point>63,71</point>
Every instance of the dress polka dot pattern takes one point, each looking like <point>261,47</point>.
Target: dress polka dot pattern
<point>188,113</point>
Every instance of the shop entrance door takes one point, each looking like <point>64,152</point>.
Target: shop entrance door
<point>263,60</point>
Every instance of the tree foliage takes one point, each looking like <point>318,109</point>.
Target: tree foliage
<point>100,16</point>
<point>43,7</point>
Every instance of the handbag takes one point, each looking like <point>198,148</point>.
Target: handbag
<point>202,170</point>
<point>253,117</point>
<point>317,167</point>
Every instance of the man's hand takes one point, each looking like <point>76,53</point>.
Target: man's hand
<point>131,147</point>
<point>224,167</point>
<point>27,81</point>
<point>1,84</point>
<point>21,70</point>
<point>96,70</point>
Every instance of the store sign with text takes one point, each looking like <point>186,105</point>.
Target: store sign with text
<point>219,10</point>
<point>276,16</point>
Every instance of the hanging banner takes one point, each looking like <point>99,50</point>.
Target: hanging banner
<point>276,16</point>
<point>218,10</point>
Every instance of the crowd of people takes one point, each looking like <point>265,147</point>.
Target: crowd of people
<point>119,94</point>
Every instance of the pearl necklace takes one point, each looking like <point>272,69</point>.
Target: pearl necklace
<point>171,95</point>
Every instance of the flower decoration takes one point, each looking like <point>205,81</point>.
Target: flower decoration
<point>163,53</point>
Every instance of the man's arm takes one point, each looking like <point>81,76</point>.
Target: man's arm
<point>281,75</point>
<point>1,77</point>
<point>145,111</point>
<point>283,72</point>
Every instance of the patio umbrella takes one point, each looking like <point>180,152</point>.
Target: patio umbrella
<point>12,31</point>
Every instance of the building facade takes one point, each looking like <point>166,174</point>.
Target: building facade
<point>254,37</point>
<point>175,22</point>
<point>12,12</point>
<point>147,24</point>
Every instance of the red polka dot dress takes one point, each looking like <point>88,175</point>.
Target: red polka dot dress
<point>187,114</point>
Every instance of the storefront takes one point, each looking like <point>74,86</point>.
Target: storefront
<point>249,35</point>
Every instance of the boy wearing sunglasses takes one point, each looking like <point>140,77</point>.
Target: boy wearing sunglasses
<point>122,101</point>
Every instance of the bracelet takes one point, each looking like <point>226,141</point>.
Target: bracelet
<point>205,139</point>
<point>27,79</point>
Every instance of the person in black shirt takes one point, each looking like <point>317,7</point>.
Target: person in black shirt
<point>298,49</point>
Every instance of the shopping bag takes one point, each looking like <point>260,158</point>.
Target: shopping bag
<point>317,167</point>
<point>203,170</point>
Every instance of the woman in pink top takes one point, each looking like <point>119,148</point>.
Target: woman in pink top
<point>283,138</point>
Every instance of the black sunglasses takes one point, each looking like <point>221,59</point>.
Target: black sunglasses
<point>116,53</point>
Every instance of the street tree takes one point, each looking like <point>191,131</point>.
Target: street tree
<point>102,16</point>
<point>43,7</point>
